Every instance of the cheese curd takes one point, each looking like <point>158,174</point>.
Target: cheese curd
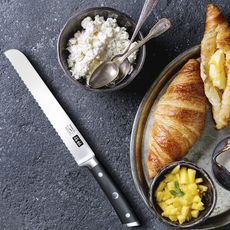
<point>99,40</point>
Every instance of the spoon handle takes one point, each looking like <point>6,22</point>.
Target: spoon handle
<point>146,10</point>
<point>159,28</point>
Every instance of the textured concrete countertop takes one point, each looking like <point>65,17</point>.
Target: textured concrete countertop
<point>41,187</point>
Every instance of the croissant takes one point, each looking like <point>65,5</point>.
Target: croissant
<point>215,65</point>
<point>178,119</point>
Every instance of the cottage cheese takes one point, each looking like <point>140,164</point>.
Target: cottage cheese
<point>99,40</point>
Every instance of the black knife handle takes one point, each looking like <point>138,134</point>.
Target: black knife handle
<point>115,196</point>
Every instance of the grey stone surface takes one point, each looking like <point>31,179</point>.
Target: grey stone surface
<point>41,187</point>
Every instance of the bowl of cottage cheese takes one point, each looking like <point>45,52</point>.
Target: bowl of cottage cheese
<point>92,37</point>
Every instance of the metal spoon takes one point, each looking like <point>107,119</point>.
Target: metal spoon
<point>109,70</point>
<point>148,6</point>
<point>125,65</point>
<point>146,10</point>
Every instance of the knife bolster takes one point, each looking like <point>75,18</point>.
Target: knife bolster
<point>91,163</point>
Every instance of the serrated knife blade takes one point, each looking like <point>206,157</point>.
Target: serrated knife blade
<point>52,109</point>
<point>72,138</point>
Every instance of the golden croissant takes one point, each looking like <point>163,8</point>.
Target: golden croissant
<point>215,65</point>
<point>178,119</point>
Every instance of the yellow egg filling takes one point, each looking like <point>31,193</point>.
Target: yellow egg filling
<point>217,71</point>
<point>180,194</point>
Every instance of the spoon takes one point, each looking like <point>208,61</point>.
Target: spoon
<point>148,6</point>
<point>125,65</point>
<point>146,10</point>
<point>108,71</point>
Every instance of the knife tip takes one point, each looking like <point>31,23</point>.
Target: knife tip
<point>10,51</point>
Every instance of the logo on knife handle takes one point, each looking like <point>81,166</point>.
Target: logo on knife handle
<point>77,140</point>
<point>70,129</point>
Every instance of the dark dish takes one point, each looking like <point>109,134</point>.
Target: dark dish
<point>74,24</point>
<point>140,141</point>
<point>209,199</point>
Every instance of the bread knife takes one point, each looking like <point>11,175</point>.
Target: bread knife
<point>72,138</point>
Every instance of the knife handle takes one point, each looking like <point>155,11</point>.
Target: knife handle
<point>113,193</point>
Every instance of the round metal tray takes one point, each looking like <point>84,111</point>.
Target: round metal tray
<point>198,154</point>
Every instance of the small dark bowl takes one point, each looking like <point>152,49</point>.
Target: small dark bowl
<point>209,199</point>
<point>74,24</point>
<point>221,174</point>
